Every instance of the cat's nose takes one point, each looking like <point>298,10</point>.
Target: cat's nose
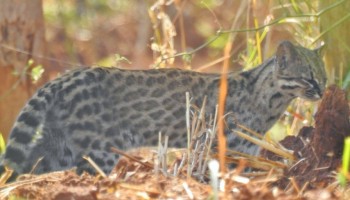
<point>320,93</point>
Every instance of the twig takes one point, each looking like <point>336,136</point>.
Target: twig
<point>188,191</point>
<point>120,152</point>
<point>94,165</point>
<point>188,134</point>
<point>265,145</point>
<point>35,165</point>
<point>6,175</point>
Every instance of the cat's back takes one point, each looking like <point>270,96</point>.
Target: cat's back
<point>91,99</point>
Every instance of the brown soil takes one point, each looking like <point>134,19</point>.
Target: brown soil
<point>318,149</point>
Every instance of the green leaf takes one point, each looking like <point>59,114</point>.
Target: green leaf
<point>2,144</point>
<point>118,59</point>
<point>341,179</point>
<point>346,82</point>
<point>220,42</point>
<point>30,62</point>
<point>345,164</point>
<point>37,72</point>
<point>187,58</point>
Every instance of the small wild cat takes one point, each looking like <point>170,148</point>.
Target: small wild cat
<point>87,111</point>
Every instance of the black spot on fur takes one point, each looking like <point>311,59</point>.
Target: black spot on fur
<point>147,134</point>
<point>29,119</point>
<point>110,162</point>
<point>234,143</point>
<point>118,143</point>
<point>41,92</point>
<point>86,94</point>
<point>96,145</point>
<point>179,113</point>
<point>127,137</point>
<point>172,73</point>
<point>110,132</point>
<point>36,104</point>
<point>77,73</point>
<point>173,85</point>
<point>130,80</point>
<point>180,125</point>
<point>15,155</point>
<point>178,144</point>
<point>86,126</point>
<point>74,126</point>
<point>173,137</point>
<point>118,76</point>
<point>69,89</point>
<point>123,111</point>
<point>67,152</point>
<point>85,142</point>
<point>106,117</point>
<point>99,161</point>
<point>125,124</point>
<point>158,93</point>
<point>273,98</point>
<point>290,87</point>
<point>108,146</point>
<point>272,118</point>
<point>96,107</point>
<point>142,91</point>
<point>195,88</point>
<point>161,80</point>
<point>145,106</point>
<point>135,116</point>
<point>95,92</point>
<point>62,163</point>
<point>89,126</point>
<point>142,124</point>
<point>89,78</point>
<point>85,110</point>
<point>21,136</point>
<point>157,114</point>
<point>77,98</point>
<point>45,164</point>
<point>150,81</point>
<point>48,98</point>
<point>131,96</point>
<point>168,104</point>
<point>179,96</point>
<point>241,85</point>
<point>101,74</point>
<point>140,80</point>
<point>186,80</point>
<point>118,90</point>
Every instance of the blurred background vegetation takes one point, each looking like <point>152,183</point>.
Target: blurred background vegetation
<point>190,34</point>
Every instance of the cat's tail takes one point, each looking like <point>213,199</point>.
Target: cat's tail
<point>37,142</point>
<point>27,131</point>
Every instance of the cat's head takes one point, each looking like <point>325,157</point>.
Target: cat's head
<point>300,71</point>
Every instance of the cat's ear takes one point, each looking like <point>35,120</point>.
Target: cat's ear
<point>285,53</point>
<point>320,50</point>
